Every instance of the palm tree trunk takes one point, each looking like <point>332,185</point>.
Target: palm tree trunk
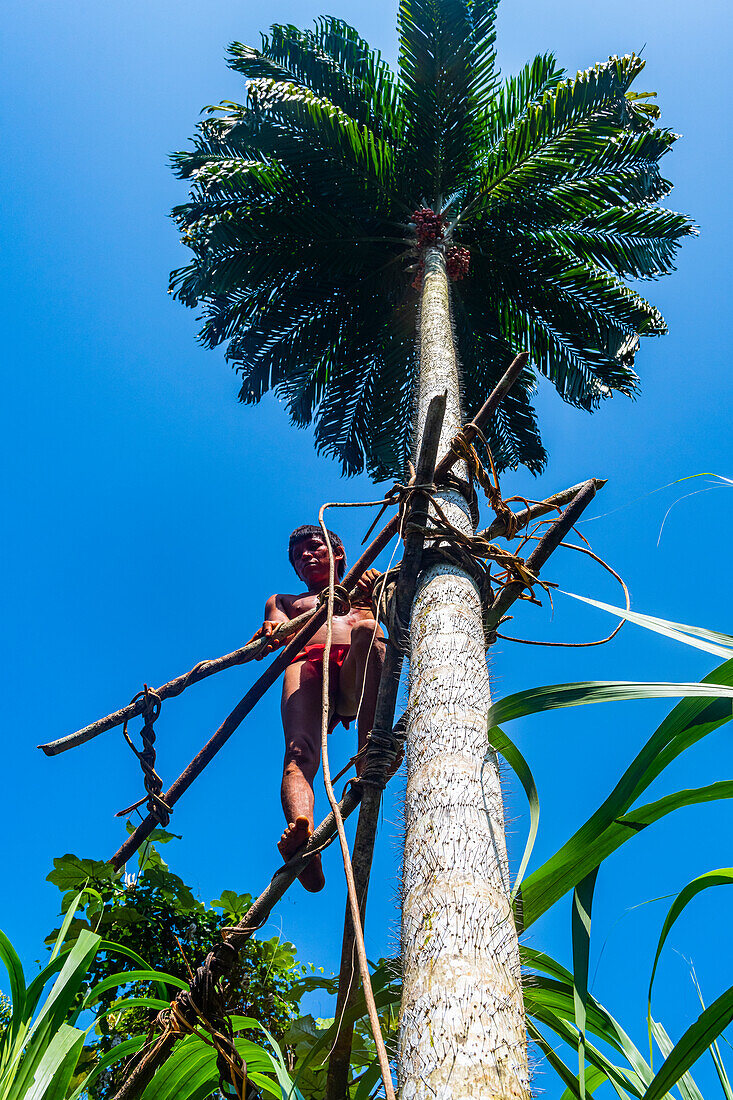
<point>462,1026</point>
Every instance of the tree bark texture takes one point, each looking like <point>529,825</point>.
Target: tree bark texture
<point>462,1028</point>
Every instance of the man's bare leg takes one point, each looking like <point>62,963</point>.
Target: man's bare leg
<point>301,713</point>
<point>361,671</point>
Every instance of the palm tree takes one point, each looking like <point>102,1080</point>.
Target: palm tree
<point>364,240</point>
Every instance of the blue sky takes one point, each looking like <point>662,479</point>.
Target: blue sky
<point>147,513</point>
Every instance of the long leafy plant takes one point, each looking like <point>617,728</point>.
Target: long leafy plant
<point>45,1041</point>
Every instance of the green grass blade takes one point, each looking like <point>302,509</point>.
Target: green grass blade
<point>686,1085</point>
<point>18,992</point>
<point>695,1041</point>
<point>66,987</point>
<point>504,745</point>
<point>557,994</point>
<point>124,1004</point>
<point>70,912</point>
<point>711,641</point>
<point>723,876</point>
<point>557,696</point>
<point>714,1048</point>
<point>125,977</point>
<point>580,921</point>
<point>720,1070</point>
<point>593,1078</point>
<point>574,1087</point>
<point>35,989</point>
<point>190,1069</point>
<point>56,1067</point>
<point>690,721</point>
<point>120,949</point>
<point>264,1084</point>
<point>623,1081</point>
<point>287,1085</point>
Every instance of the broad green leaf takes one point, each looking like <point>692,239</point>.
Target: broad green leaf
<point>188,1072</point>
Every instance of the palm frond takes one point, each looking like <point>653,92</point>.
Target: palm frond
<point>447,69</point>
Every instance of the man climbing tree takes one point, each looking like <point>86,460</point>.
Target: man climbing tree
<point>356,657</point>
<point>355,233</point>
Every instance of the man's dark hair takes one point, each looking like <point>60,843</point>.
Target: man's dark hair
<point>308,531</point>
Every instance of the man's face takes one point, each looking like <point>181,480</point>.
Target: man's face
<point>310,559</point>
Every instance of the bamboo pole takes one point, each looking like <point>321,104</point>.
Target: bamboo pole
<point>250,652</point>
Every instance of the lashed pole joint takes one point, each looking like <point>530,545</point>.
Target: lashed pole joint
<point>549,542</point>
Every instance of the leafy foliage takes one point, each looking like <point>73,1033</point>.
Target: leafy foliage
<point>44,1053</point>
<point>304,254</point>
<point>153,919</point>
<point>42,1046</point>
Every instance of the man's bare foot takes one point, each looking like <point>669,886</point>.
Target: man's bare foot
<point>295,836</point>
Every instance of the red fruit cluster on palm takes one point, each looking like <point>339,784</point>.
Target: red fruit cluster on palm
<point>457,261</point>
<point>429,226</point>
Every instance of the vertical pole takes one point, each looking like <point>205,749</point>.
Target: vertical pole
<point>361,860</point>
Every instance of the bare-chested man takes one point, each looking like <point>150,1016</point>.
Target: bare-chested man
<point>357,656</point>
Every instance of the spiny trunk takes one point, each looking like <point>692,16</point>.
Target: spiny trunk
<point>462,1026</point>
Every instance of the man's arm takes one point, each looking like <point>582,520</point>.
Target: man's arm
<point>275,614</point>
